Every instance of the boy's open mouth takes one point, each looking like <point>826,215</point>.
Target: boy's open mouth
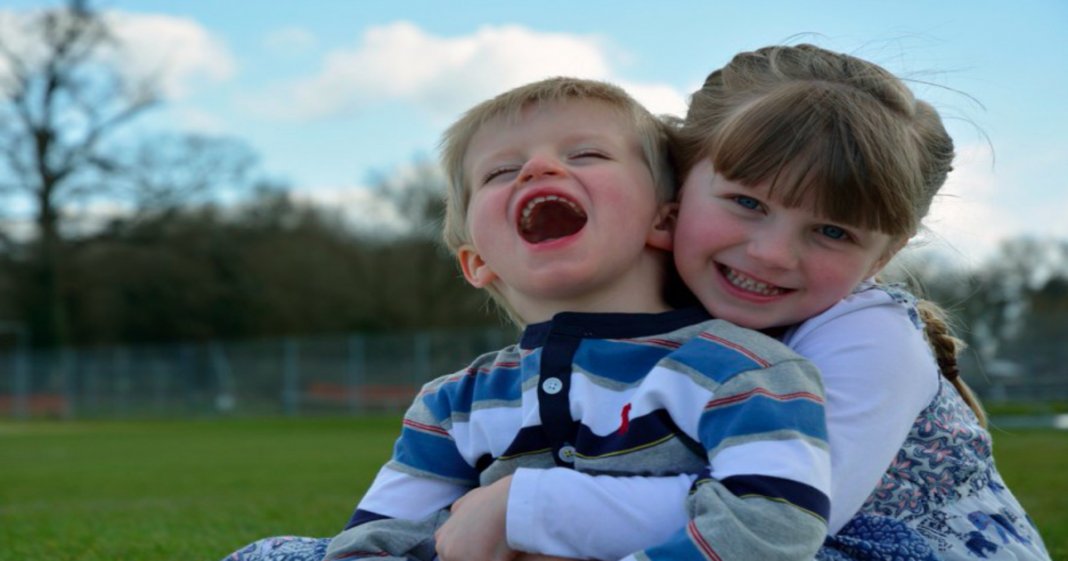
<point>550,217</point>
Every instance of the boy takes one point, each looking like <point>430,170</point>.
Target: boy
<point>559,205</point>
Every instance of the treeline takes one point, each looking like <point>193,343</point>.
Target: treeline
<point>1012,310</point>
<point>262,268</point>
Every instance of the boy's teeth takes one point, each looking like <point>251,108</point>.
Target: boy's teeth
<point>529,208</point>
<point>752,285</point>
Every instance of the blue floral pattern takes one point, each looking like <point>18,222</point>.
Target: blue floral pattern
<point>944,489</point>
<point>876,538</point>
<point>282,548</point>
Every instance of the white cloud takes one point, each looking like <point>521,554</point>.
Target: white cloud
<point>175,52</point>
<point>983,204</point>
<point>445,75</point>
<point>967,219</point>
<point>178,51</point>
<point>659,98</point>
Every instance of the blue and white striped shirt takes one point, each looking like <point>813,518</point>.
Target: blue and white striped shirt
<point>622,395</point>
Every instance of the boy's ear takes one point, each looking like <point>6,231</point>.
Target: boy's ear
<point>662,234</point>
<point>476,271</point>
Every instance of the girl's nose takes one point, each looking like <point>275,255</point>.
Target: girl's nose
<point>539,166</point>
<point>775,248</point>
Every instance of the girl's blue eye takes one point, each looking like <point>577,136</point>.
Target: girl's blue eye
<point>748,202</point>
<point>834,232</point>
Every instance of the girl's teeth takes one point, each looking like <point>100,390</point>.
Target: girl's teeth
<point>752,285</point>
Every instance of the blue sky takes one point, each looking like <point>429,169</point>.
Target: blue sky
<point>331,91</point>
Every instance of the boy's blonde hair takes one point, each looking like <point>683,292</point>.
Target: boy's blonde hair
<point>652,134</point>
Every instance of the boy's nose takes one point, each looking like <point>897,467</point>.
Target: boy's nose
<point>540,166</point>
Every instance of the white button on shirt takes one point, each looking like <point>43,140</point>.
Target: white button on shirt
<point>552,386</point>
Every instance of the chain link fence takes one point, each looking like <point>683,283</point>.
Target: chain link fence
<point>353,373</point>
<point>288,376</point>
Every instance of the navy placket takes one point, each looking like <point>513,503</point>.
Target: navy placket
<point>559,340</point>
<point>554,391</point>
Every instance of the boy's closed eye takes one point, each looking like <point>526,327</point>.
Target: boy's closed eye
<point>589,154</point>
<point>500,173</point>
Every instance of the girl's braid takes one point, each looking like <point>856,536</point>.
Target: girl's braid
<point>946,347</point>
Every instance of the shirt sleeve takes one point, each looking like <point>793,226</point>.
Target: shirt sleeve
<point>764,492</point>
<point>879,374</point>
<point>566,513</point>
<point>409,497</point>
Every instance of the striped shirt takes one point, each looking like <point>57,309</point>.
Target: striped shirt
<point>622,395</point>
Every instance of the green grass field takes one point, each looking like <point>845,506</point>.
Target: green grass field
<point>196,490</point>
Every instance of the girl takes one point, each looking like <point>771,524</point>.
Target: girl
<point>805,172</point>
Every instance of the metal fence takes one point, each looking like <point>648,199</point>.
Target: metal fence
<point>351,373</point>
<point>290,376</point>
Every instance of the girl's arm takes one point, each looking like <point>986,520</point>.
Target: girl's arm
<point>878,373</point>
<point>551,511</point>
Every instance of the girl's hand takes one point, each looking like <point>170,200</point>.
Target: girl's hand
<point>476,529</point>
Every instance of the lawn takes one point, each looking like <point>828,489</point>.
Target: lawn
<point>195,490</point>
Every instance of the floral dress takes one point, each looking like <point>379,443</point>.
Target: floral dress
<point>941,499</point>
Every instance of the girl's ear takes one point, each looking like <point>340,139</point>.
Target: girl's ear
<point>663,231</point>
<point>894,247</point>
<point>476,271</point>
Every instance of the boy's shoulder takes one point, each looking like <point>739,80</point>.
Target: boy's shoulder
<point>721,350</point>
<point>500,369</point>
<point>731,339</point>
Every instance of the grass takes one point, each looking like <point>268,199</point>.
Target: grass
<point>196,490</point>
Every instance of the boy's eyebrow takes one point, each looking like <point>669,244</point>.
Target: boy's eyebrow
<point>572,138</point>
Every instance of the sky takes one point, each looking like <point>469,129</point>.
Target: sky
<point>331,93</point>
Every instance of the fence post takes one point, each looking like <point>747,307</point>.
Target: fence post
<point>225,390</point>
<point>66,368</point>
<point>355,372</point>
<point>121,370</point>
<point>421,357</point>
<point>290,375</point>
<point>91,399</point>
<point>21,389</point>
<point>20,385</point>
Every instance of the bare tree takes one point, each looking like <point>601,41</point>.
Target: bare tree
<point>60,101</point>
